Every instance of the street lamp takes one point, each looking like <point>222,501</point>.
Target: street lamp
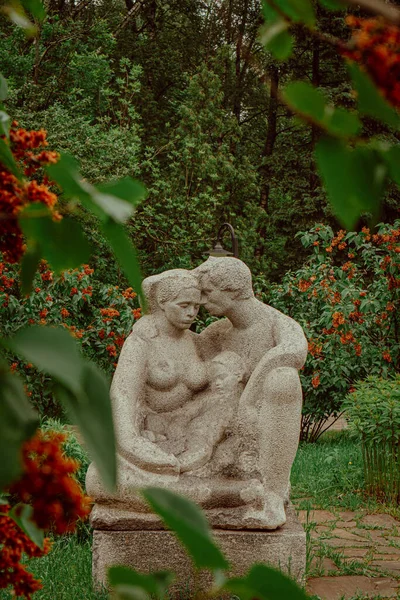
<point>218,250</point>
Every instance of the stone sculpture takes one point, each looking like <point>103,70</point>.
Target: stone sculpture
<point>214,416</point>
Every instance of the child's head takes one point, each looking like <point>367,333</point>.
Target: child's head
<point>227,370</point>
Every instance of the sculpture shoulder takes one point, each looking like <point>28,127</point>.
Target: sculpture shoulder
<point>216,329</point>
<point>144,329</point>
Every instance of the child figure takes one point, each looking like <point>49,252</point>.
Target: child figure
<point>193,432</point>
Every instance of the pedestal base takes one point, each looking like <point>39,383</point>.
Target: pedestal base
<point>156,550</point>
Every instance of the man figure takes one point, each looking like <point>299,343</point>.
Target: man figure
<point>273,348</point>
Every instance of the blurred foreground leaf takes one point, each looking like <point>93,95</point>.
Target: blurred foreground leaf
<point>22,514</point>
<point>306,99</point>
<point>274,34</point>
<point>265,583</point>
<point>370,100</point>
<point>354,179</point>
<point>18,422</point>
<point>8,161</point>
<point>128,584</point>
<point>189,524</point>
<point>91,411</point>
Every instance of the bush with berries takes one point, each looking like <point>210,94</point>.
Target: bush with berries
<point>347,298</point>
<point>99,316</point>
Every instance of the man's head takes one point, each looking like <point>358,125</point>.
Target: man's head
<point>223,282</point>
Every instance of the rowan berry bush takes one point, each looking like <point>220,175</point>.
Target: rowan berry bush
<point>347,298</point>
<point>98,315</point>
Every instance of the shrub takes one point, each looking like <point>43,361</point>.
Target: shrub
<point>373,412</point>
<point>98,315</point>
<point>347,299</point>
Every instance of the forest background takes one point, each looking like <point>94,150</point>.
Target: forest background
<point>183,96</point>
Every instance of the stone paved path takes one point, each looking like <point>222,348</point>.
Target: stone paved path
<point>352,554</point>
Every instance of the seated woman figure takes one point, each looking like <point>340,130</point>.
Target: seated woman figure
<point>169,414</point>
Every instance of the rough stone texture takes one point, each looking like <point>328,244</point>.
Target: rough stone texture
<point>214,416</point>
<point>158,550</point>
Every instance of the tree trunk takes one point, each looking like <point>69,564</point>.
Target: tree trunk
<point>315,78</point>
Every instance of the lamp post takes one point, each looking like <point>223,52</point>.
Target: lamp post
<point>218,250</point>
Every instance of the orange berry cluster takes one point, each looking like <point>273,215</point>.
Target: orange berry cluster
<point>13,544</point>
<point>16,195</point>
<point>376,46</point>
<point>48,484</point>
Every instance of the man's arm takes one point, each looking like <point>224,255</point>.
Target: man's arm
<point>209,342</point>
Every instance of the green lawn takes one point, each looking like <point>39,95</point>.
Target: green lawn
<point>327,474</point>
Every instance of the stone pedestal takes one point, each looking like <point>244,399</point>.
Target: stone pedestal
<point>156,549</point>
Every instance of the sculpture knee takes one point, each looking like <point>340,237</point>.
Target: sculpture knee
<point>282,386</point>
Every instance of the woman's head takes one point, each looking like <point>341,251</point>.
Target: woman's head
<point>176,293</point>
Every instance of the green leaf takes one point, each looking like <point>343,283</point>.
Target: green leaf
<point>36,8</point>
<point>265,583</point>
<point>125,253</point>
<point>5,123</point>
<point>3,88</point>
<point>18,423</point>
<point>128,583</point>
<point>8,161</point>
<point>29,264</point>
<point>277,39</point>
<point>354,179</point>
<point>334,5</point>
<point>90,410</point>
<point>62,243</point>
<point>307,100</point>
<point>300,11</point>
<point>190,526</point>
<point>22,515</point>
<point>370,100</point>
<point>391,156</point>
<point>19,18</point>
<point>115,200</point>
<point>52,350</point>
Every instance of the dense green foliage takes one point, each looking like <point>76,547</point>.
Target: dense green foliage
<point>183,96</point>
<point>346,296</point>
<point>373,411</point>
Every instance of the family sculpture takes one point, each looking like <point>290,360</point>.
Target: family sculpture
<point>216,415</point>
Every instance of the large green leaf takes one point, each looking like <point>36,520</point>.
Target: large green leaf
<point>391,156</point>
<point>125,253</point>
<point>52,350</point>
<point>116,200</point>
<point>22,515</point>
<point>265,583</point>
<point>277,39</point>
<point>18,422</point>
<point>7,159</point>
<point>307,100</point>
<point>354,179</point>
<point>128,584</point>
<point>370,100</point>
<point>36,8</point>
<point>190,526</point>
<point>62,243</point>
<point>3,88</point>
<point>90,410</point>
<point>17,15</point>
<point>5,123</point>
<point>301,11</point>
<point>29,264</point>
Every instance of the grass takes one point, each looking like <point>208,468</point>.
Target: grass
<point>66,572</point>
<point>326,475</point>
<point>329,475</point>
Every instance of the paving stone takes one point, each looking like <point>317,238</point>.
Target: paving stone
<point>346,524</point>
<point>390,557</point>
<point>333,588</point>
<point>316,516</point>
<point>347,515</point>
<point>341,543</point>
<point>325,564</point>
<point>346,534</point>
<point>387,565</point>
<point>387,550</point>
<point>380,520</point>
<point>355,553</point>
